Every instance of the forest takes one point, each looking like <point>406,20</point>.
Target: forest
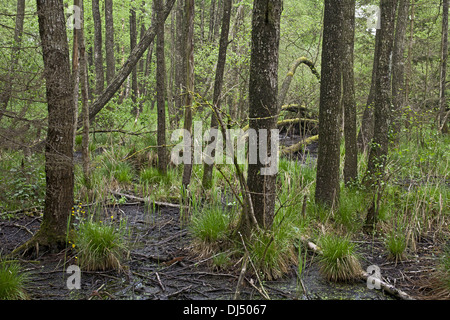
<point>224,150</point>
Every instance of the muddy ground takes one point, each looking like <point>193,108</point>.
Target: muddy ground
<point>162,266</point>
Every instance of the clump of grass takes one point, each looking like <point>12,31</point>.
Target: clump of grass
<point>210,227</point>
<point>351,205</point>
<point>13,281</point>
<point>273,253</point>
<point>123,172</point>
<point>100,246</point>
<point>396,245</point>
<point>338,261</point>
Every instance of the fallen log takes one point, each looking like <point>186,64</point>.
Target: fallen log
<point>299,145</point>
<point>366,276</point>
<point>148,200</point>
<point>293,108</point>
<point>287,122</point>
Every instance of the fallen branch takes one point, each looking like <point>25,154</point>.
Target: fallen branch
<point>148,200</point>
<point>299,145</point>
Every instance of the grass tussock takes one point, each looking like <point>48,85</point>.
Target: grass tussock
<point>338,261</point>
<point>100,246</point>
<point>13,281</point>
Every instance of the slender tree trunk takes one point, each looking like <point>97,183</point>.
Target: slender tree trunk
<point>161,89</point>
<point>379,147</point>
<point>327,181</point>
<point>148,59</point>
<point>75,72</point>
<point>98,55</point>
<point>189,87</point>
<point>220,70</point>
<point>109,41</point>
<point>84,102</point>
<point>180,68</point>
<point>366,130</point>
<point>444,114</point>
<point>59,143</point>
<point>127,67</point>
<point>263,110</point>
<point>5,95</point>
<point>348,94</point>
<point>133,40</point>
<point>212,20</point>
<point>398,67</point>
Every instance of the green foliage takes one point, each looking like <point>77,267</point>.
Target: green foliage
<point>13,281</point>
<point>338,261</point>
<point>100,245</point>
<point>22,181</point>
<point>396,244</point>
<point>273,252</point>
<point>210,224</point>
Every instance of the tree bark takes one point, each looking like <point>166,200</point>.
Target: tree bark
<point>327,181</point>
<point>5,95</point>
<point>133,40</point>
<point>220,70</point>
<point>180,67</point>
<point>263,108</point>
<point>98,55</point>
<point>127,67</point>
<point>379,147</point>
<point>59,143</point>
<point>84,102</point>
<point>161,89</point>
<point>444,114</point>
<point>348,94</point>
<point>109,41</point>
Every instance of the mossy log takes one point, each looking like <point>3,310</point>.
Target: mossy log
<point>299,145</point>
<point>293,108</point>
<point>287,122</point>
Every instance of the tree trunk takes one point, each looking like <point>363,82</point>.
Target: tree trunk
<point>379,146</point>
<point>212,20</point>
<point>189,54</point>
<point>59,143</point>
<point>444,114</point>
<point>133,40</point>
<point>263,109</point>
<point>84,102</point>
<point>398,67</point>
<point>366,130</point>
<point>220,70</point>
<point>180,68</point>
<point>109,41</point>
<point>75,72</point>
<point>348,94</point>
<point>5,95</point>
<point>161,89</point>
<point>127,67</point>
<point>98,55</point>
<point>327,181</point>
